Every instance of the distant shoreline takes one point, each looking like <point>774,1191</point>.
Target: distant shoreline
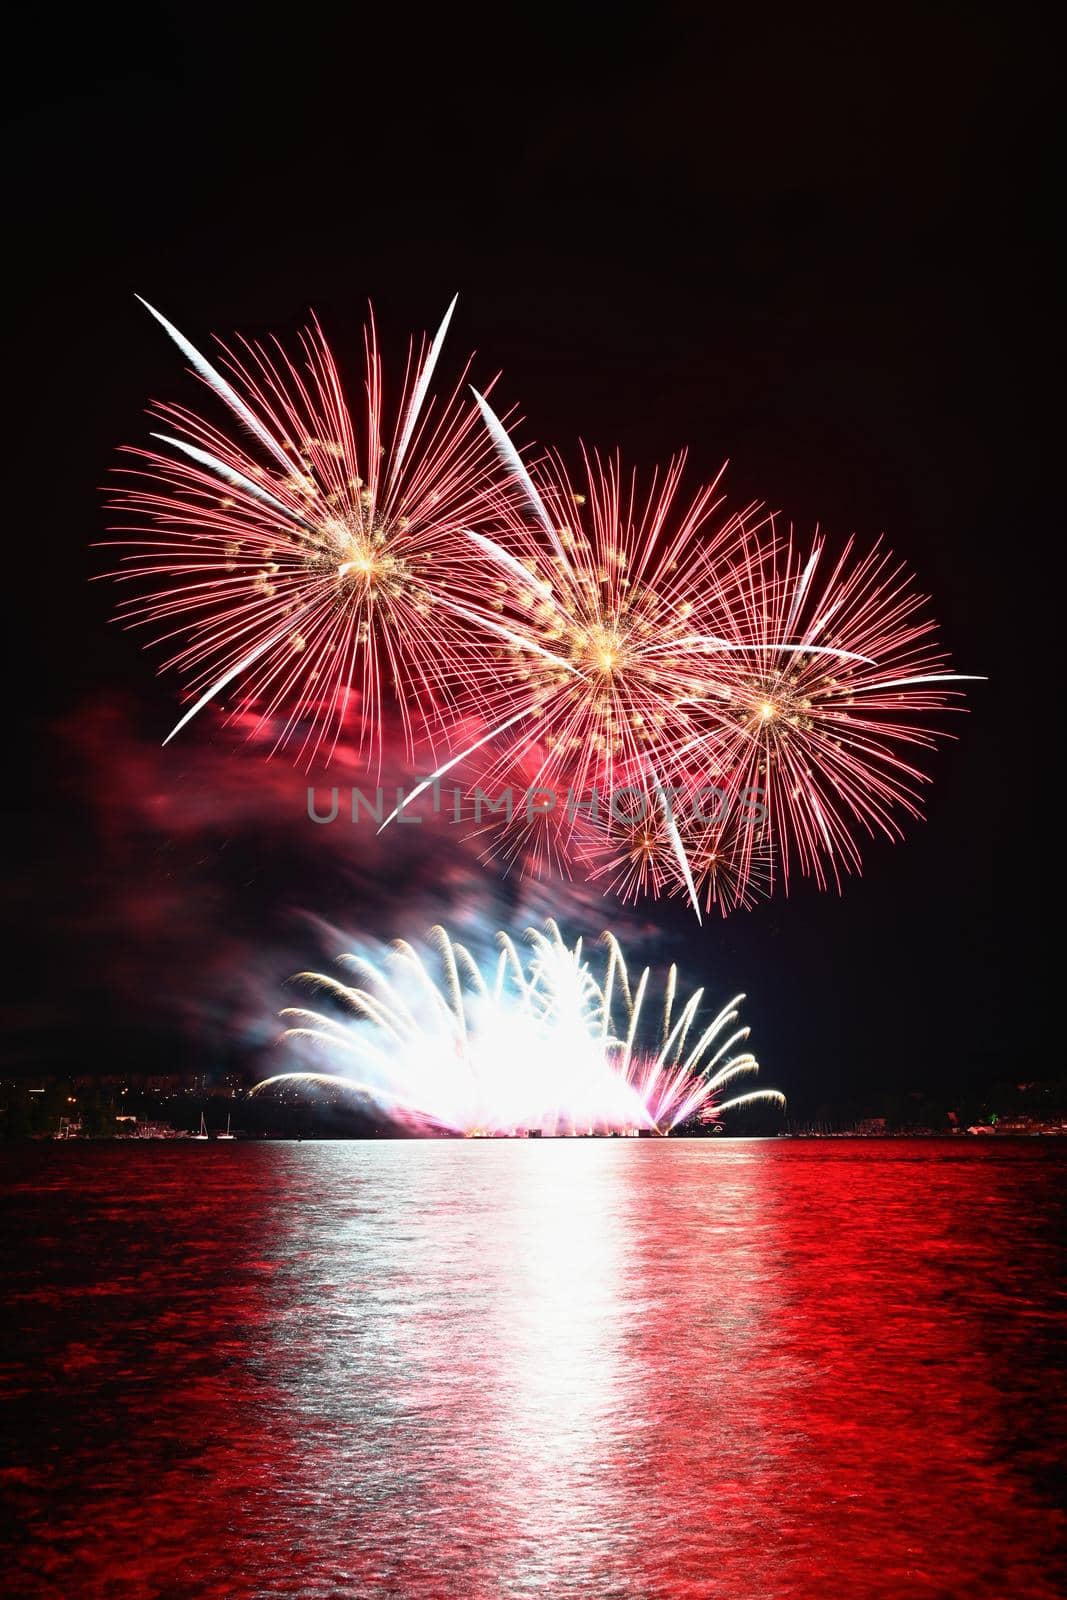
<point>1013,1135</point>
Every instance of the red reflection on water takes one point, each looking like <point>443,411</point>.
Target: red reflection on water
<point>579,1368</point>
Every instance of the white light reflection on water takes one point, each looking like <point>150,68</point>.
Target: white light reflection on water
<point>529,1358</point>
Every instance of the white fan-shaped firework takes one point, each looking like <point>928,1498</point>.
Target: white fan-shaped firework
<point>536,1042</point>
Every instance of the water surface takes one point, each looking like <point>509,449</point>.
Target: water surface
<point>735,1369</point>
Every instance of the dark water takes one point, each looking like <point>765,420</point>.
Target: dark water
<point>730,1369</point>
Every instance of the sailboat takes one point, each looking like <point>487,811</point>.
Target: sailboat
<point>203,1128</point>
<point>227,1134</point>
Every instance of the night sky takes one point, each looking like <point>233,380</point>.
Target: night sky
<point>817,247</point>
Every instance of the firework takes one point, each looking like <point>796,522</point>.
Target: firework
<point>541,1044</point>
<point>824,707</point>
<point>559,641</point>
<point>609,600</point>
<point>314,561</point>
<point>526,828</point>
<point>607,630</point>
<point>725,839</point>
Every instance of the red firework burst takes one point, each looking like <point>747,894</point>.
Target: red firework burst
<point>316,562</point>
<point>525,828</point>
<point>604,601</point>
<point>826,695</point>
<point>721,837</point>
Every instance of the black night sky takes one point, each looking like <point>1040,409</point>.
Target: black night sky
<point>818,246</point>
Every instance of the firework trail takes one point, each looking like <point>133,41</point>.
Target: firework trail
<point>539,1043</point>
<point>313,558</point>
